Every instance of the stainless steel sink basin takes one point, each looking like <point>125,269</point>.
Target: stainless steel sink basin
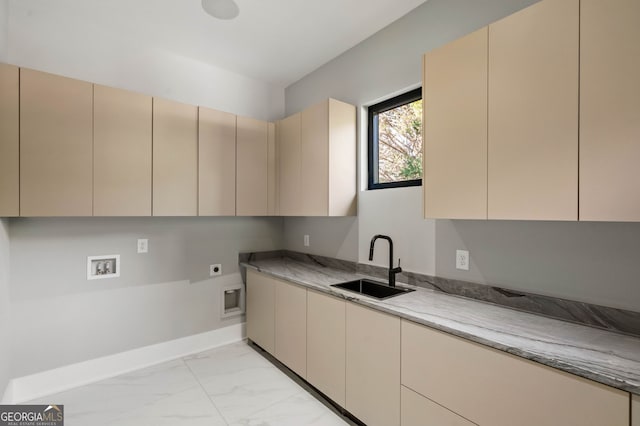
<point>372,288</point>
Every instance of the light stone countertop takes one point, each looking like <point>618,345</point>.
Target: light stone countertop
<point>603,356</point>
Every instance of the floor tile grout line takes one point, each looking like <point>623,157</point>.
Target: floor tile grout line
<point>195,376</point>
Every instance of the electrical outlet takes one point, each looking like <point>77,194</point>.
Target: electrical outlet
<point>143,245</point>
<point>462,260</point>
<point>215,270</point>
<point>306,241</point>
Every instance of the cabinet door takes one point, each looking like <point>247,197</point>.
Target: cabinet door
<point>121,153</point>
<point>490,387</point>
<point>342,159</point>
<point>373,366</point>
<point>635,411</point>
<point>533,113</point>
<point>252,174</point>
<point>56,145</point>
<point>289,167</point>
<point>314,160</point>
<point>272,170</point>
<point>175,159</point>
<point>455,129</point>
<point>261,292</point>
<point>216,163</point>
<point>9,141</point>
<point>420,411</point>
<point>291,327</point>
<point>326,345</point>
<point>609,110</point>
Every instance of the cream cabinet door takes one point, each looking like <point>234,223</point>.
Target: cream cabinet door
<point>609,110</point>
<point>326,328</point>
<point>216,163</point>
<point>122,141</point>
<point>490,387</point>
<point>291,327</point>
<point>373,366</point>
<point>342,159</point>
<point>533,113</point>
<point>635,411</point>
<point>455,129</point>
<point>314,160</point>
<point>261,293</point>
<point>9,141</point>
<point>420,411</point>
<point>272,171</point>
<point>252,167</point>
<point>56,145</point>
<point>175,158</point>
<point>289,166</point>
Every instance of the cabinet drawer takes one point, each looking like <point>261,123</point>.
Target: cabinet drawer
<point>490,387</point>
<point>416,410</point>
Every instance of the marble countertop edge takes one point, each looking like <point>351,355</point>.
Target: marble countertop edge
<point>332,276</point>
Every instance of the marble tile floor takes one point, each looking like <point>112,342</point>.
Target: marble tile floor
<point>232,385</point>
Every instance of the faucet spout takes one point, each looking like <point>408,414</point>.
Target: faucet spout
<point>392,271</point>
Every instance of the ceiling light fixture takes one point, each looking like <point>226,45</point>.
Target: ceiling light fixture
<point>221,9</point>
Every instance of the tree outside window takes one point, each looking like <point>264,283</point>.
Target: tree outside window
<point>395,142</point>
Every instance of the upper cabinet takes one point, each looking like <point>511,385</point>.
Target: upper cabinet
<point>533,113</point>
<point>609,110</point>
<point>72,148</point>
<point>317,150</point>
<point>455,129</point>
<point>216,163</point>
<point>175,158</point>
<point>121,153</point>
<point>501,118</point>
<point>56,145</point>
<point>253,171</point>
<point>9,141</point>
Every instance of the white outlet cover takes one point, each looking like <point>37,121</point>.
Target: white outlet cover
<point>143,245</point>
<point>462,260</point>
<point>306,241</point>
<point>114,266</point>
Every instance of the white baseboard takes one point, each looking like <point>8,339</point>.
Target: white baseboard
<point>37,385</point>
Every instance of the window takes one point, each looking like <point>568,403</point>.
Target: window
<point>395,142</point>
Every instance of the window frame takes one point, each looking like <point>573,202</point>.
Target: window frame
<point>373,147</point>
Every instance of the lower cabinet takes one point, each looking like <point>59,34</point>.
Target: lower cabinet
<point>291,326</point>
<point>635,411</point>
<point>261,291</point>
<point>416,410</point>
<point>493,388</point>
<point>372,366</point>
<point>326,328</point>
<point>353,354</point>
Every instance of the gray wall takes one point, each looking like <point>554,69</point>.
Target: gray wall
<point>5,329</point>
<point>581,261</point>
<point>4,29</point>
<point>60,318</point>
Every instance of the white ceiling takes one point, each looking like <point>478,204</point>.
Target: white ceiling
<point>276,41</point>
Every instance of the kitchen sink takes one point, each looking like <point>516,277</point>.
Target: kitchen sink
<point>372,288</point>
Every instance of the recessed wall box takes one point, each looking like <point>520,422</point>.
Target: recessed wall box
<point>101,267</point>
<point>232,300</point>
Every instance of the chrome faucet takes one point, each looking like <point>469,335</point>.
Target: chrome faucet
<point>392,271</point>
